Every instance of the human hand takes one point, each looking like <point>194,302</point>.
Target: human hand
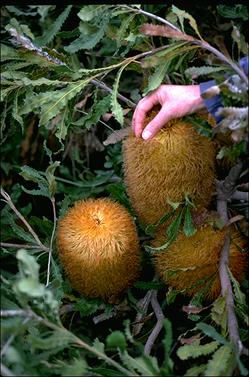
<point>175,100</point>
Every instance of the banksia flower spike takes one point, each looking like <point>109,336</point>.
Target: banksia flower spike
<point>177,161</point>
<point>191,264</point>
<point>98,247</point>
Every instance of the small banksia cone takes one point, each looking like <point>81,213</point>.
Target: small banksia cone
<point>191,264</point>
<point>175,162</point>
<point>98,247</point>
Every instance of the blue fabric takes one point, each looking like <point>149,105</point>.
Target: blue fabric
<point>215,102</point>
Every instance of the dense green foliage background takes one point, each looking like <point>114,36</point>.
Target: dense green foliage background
<point>71,76</point>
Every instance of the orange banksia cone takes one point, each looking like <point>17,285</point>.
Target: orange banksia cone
<point>98,247</point>
<point>191,264</point>
<point>175,162</point>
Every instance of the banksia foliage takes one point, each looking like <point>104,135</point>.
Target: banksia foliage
<point>191,264</point>
<point>175,162</point>
<point>98,247</point>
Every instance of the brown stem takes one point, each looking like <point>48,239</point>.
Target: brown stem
<point>30,229</point>
<point>21,246</point>
<point>159,325</point>
<point>225,190</point>
<point>51,240</point>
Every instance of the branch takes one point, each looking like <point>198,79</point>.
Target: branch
<point>223,58</point>
<point>151,15</point>
<point>30,229</point>
<point>201,43</point>
<point>159,325</point>
<point>51,240</point>
<point>21,246</point>
<point>240,195</point>
<point>6,371</point>
<point>225,190</point>
<point>109,90</point>
<point>80,343</point>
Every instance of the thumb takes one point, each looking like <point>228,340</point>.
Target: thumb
<point>152,128</point>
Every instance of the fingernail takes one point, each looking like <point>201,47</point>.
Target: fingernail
<point>146,135</point>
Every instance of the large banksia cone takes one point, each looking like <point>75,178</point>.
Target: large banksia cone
<point>175,162</point>
<point>191,264</point>
<point>98,247</point>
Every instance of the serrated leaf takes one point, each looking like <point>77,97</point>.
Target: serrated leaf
<point>148,285</point>
<point>116,340</point>
<point>86,307</point>
<point>43,191</point>
<point>140,364</point>
<point>30,174</point>
<point>219,361</point>
<point>99,346</point>
<point>15,111</point>
<point>50,177</point>
<point>9,53</point>
<point>204,70</point>
<point>58,339</point>
<point>181,14</point>
<point>156,79</point>
<point>219,314</point>
<point>76,368</point>
<point>239,295</point>
<point>196,350</point>
<point>197,370</point>
<point>210,331</point>
<point>188,226</point>
<point>122,29</point>
<point>173,228</point>
<point>54,28</point>
<point>88,42</point>
<point>88,12</point>
<point>115,106</point>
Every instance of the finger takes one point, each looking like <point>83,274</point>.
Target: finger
<point>143,107</point>
<point>164,115</point>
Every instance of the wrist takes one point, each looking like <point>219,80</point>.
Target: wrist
<point>196,101</point>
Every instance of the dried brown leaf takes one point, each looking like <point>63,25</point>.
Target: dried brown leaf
<point>164,31</point>
<point>117,136</point>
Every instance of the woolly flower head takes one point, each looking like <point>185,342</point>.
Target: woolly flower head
<point>98,247</point>
<point>191,264</point>
<point>177,161</point>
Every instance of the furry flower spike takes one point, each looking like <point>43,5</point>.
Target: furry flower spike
<point>98,247</point>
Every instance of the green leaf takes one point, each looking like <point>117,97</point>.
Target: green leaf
<point>99,346</point>
<point>204,70</point>
<point>51,178</point>
<point>219,314</point>
<point>88,42</point>
<point>15,111</point>
<point>148,285</point>
<point>196,350</point>
<point>156,79</point>
<point>54,28</point>
<point>116,340</point>
<point>181,14</point>
<point>88,12</point>
<point>76,368</point>
<point>30,174</point>
<point>146,365</point>
<point>197,370</point>
<point>239,295</point>
<point>173,228</point>
<point>86,307</point>
<point>115,106</point>
<point>9,53</point>
<point>218,363</point>
<point>234,11</point>
<point>188,226</point>
<point>58,339</point>
<point>210,331</point>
